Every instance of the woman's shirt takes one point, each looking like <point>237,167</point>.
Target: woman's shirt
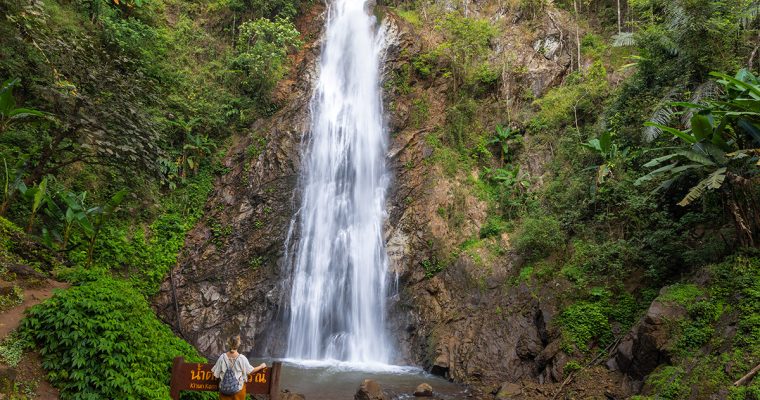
<point>240,365</point>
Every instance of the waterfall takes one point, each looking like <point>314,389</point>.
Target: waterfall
<point>337,303</point>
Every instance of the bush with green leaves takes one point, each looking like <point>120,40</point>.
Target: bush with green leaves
<point>465,49</point>
<point>101,340</point>
<point>583,324</point>
<point>263,46</point>
<point>539,236</point>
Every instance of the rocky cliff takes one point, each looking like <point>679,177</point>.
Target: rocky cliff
<point>470,322</point>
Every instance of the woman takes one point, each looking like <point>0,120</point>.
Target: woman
<point>239,366</point>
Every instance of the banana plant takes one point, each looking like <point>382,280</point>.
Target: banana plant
<point>100,215</point>
<point>196,150</point>
<point>38,197</point>
<point>608,151</point>
<point>717,145</point>
<point>76,214</point>
<point>502,138</point>
<point>9,113</point>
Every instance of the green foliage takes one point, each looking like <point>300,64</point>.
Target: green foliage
<point>609,259</point>
<point>572,366</point>
<point>539,236</point>
<point>667,382</point>
<point>583,324</point>
<point>573,103</point>
<point>432,267</point>
<point>12,298</point>
<point>12,349</point>
<point>494,226</point>
<point>718,150</point>
<point>149,252</point>
<point>107,343</point>
<point>610,153</point>
<point>262,49</point>
<point>9,113</point>
<point>411,17</point>
<point>466,45</point>
<point>683,294</point>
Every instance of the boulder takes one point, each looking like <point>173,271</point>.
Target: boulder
<point>648,344</point>
<point>423,390</point>
<point>508,390</point>
<point>370,390</point>
<point>288,395</point>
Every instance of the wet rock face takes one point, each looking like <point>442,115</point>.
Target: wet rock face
<point>230,278</point>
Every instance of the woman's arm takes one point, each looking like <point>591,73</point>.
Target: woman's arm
<point>259,368</point>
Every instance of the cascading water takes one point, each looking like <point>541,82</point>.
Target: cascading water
<point>337,303</point>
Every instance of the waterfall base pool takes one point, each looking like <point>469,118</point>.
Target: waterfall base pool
<point>336,380</point>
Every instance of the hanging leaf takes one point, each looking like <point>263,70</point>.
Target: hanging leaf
<point>702,125</point>
<point>713,181</point>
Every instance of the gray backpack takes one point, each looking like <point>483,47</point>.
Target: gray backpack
<point>230,384</point>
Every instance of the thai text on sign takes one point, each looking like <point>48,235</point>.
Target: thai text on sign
<point>198,377</point>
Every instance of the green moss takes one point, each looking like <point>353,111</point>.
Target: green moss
<point>683,294</point>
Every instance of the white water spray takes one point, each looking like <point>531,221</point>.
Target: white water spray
<point>337,303</point>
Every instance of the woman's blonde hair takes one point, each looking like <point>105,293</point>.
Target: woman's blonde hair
<point>234,342</point>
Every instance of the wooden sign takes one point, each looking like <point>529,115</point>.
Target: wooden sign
<point>198,377</point>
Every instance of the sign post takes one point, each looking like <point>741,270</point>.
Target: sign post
<point>198,377</point>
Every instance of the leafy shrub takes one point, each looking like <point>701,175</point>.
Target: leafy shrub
<point>668,383</point>
<point>607,259</point>
<point>494,226</point>
<point>263,46</point>
<point>539,236</point>
<point>583,323</point>
<point>466,46</point>
<point>432,267</point>
<point>578,97</point>
<point>102,340</point>
<point>571,366</point>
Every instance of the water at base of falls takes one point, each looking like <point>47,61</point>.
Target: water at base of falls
<point>337,303</point>
<point>333,380</point>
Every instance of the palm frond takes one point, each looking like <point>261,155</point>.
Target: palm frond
<point>624,39</point>
<point>750,14</point>
<point>662,115</point>
<point>709,90</point>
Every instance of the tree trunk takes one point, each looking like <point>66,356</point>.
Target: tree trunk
<point>620,18</point>
<point>577,32</point>
<point>746,378</point>
<point>741,202</point>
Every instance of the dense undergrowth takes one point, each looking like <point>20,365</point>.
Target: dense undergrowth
<point>114,117</point>
<point>651,157</point>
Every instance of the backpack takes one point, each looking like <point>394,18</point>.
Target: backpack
<point>230,384</point>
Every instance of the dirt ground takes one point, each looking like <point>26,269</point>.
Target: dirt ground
<point>28,378</point>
